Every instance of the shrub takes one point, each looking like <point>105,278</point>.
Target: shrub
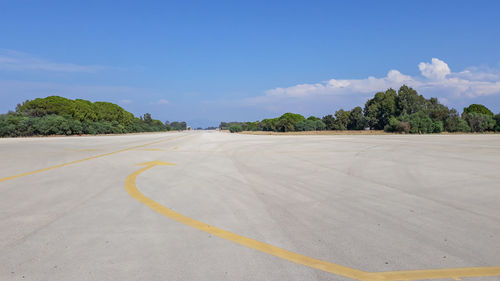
<point>497,120</point>
<point>53,125</point>
<point>61,116</point>
<point>480,122</point>
<point>319,125</point>
<point>456,124</point>
<point>254,126</point>
<point>397,126</point>
<point>305,125</point>
<point>420,122</point>
<point>235,128</point>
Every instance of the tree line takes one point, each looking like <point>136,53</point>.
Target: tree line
<point>402,111</point>
<point>56,115</point>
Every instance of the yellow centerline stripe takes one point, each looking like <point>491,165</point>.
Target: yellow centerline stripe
<point>85,159</point>
<point>454,273</point>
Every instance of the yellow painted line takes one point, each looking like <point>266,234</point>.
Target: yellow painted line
<point>83,160</point>
<point>152,149</point>
<point>453,273</point>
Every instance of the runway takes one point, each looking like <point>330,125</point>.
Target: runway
<point>220,206</point>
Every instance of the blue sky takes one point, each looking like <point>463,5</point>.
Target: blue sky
<point>212,61</point>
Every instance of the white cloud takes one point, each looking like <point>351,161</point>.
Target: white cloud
<point>436,70</point>
<point>478,73</point>
<point>17,61</point>
<point>436,79</point>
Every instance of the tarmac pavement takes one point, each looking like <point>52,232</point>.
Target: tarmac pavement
<point>71,209</point>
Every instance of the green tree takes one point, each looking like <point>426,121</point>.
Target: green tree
<point>478,108</point>
<point>397,126</point>
<point>147,118</point>
<point>497,120</point>
<point>436,110</point>
<point>15,125</point>
<point>408,101</point>
<point>342,119</point>
<point>58,115</point>
<point>53,125</point>
<point>83,110</point>
<point>319,125</point>
<point>287,121</point>
<point>235,128</point>
<point>380,109</point>
<point>107,111</point>
<point>356,119</point>
<point>455,124</point>
<point>179,126</point>
<point>47,106</point>
<point>270,124</point>
<point>329,122</point>
<point>305,125</point>
<point>254,126</point>
<point>479,122</point>
<point>313,118</point>
<point>420,122</point>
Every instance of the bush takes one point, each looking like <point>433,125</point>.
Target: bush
<point>235,128</point>
<point>305,125</point>
<point>60,116</point>
<point>310,125</point>
<point>397,126</point>
<point>480,122</point>
<point>420,122</point>
<point>436,127</point>
<point>52,125</point>
<point>456,124</point>
<point>415,123</point>
<point>497,120</point>
<point>254,126</point>
<point>8,125</point>
<point>319,125</point>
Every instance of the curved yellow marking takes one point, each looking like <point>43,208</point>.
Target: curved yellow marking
<point>454,273</point>
<point>82,160</point>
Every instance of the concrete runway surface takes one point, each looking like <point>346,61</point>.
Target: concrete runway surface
<point>246,207</point>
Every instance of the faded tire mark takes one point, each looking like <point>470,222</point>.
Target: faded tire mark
<point>447,273</point>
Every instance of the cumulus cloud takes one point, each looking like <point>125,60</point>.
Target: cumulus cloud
<point>478,73</point>
<point>436,70</point>
<point>17,61</point>
<point>336,86</point>
<point>435,79</point>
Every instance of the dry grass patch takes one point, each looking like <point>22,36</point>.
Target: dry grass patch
<point>336,132</point>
